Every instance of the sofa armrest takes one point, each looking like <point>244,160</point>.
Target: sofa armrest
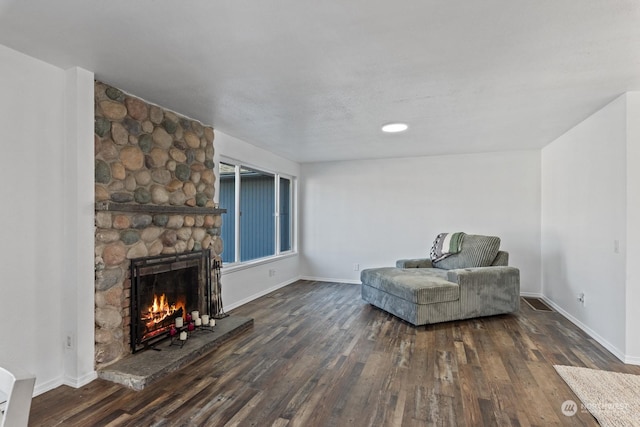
<point>481,275</point>
<point>502,259</point>
<point>487,280</point>
<point>414,263</point>
<point>487,290</point>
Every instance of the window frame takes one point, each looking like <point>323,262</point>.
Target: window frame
<point>277,210</point>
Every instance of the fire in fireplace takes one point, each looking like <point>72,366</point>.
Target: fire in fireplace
<point>164,288</point>
<point>161,310</point>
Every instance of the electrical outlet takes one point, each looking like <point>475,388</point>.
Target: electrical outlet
<point>581,298</point>
<point>356,267</point>
<point>616,246</point>
<point>68,343</point>
<point>272,272</point>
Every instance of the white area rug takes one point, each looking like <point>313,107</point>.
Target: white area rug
<point>612,398</point>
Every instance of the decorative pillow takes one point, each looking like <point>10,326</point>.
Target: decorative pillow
<point>477,251</point>
<point>446,244</point>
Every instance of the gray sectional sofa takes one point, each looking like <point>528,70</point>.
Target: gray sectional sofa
<point>472,283</point>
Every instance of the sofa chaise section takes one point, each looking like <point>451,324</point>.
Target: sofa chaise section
<point>421,293</point>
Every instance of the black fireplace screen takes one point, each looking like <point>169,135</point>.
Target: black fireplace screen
<point>164,288</point>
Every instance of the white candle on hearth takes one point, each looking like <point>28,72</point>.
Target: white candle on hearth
<point>179,322</point>
<point>195,315</point>
<point>205,319</point>
<point>183,336</point>
<point>198,322</point>
<point>212,322</point>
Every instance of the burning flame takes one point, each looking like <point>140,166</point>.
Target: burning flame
<point>156,306</point>
<point>160,310</point>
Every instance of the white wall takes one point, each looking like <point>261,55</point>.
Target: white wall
<point>78,293</point>
<point>241,285</point>
<point>584,212</point>
<point>34,109</point>
<point>373,212</point>
<point>632,337</point>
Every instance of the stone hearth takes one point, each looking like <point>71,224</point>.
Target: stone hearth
<point>139,370</point>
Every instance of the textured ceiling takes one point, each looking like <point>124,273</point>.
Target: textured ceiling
<point>314,81</point>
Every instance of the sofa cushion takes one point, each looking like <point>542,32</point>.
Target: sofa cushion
<point>416,285</point>
<point>477,251</point>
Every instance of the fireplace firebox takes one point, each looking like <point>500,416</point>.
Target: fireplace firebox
<point>166,287</point>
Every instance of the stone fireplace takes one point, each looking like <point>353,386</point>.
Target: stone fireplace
<point>154,190</point>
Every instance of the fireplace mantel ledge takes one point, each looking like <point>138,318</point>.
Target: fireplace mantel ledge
<point>128,207</point>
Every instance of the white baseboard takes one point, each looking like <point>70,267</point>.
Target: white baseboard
<point>260,294</point>
<point>64,380</point>
<point>593,334</point>
<point>631,360</point>
<point>47,386</point>
<point>282,285</point>
<point>531,295</point>
<point>328,279</point>
<point>77,382</point>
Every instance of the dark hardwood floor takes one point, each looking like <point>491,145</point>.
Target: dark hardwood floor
<point>319,356</point>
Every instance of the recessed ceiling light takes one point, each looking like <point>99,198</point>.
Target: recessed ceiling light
<point>394,127</point>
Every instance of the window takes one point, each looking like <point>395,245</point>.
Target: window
<point>285,214</point>
<point>258,222</point>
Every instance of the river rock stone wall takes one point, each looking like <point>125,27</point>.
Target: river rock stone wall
<point>144,155</point>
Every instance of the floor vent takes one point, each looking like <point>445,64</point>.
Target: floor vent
<point>537,304</point>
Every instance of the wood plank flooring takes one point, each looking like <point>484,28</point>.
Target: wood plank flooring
<point>319,356</point>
